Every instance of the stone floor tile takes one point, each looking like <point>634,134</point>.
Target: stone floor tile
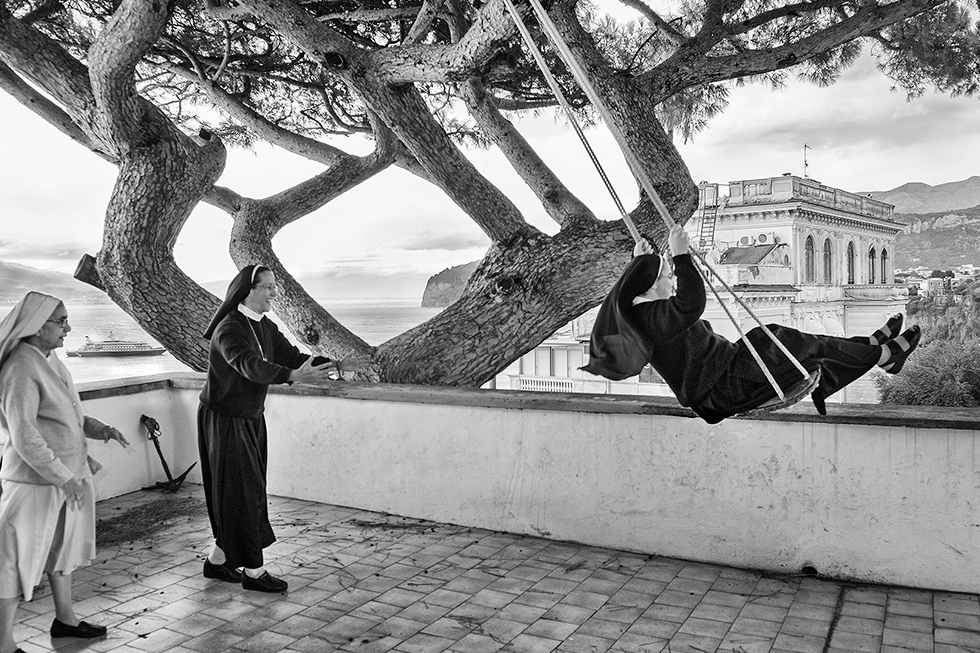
<point>764,612</point>
<point>909,607</point>
<point>860,625</point>
<point>531,644</point>
<point>198,624</point>
<point>800,643</point>
<point>569,614</point>
<point>909,594</point>
<point>907,639</point>
<point>474,643</point>
<point>956,620</point>
<point>708,573</point>
<point>501,629</point>
<point>952,648</point>
<point>863,610</point>
<point>603,628</point>
<point>422,643</point>
<point>855,642</point>
<point>964,638</point>
<point>576,643</point>
<point>265,642</point>
<point>538,599</point>
<point>655,629</point>
<point>903,622</point>
<point>812,611</point>
<point>585,599</point>
<point>961,603</point>
<point>550,629</point>
<point>756,627</point>
<point>215,641</point>
<point>739,643</point>
<point>676,614</point>
<point>873,595</point>
<point>715,596</point>
<point>722,613</point>
<point>689,643</point>
<point>802,626</point>
<point>639,643</point>
<point>678,598</point>
<point>295,626</point>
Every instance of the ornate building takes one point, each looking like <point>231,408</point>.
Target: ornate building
<point>795,251</point>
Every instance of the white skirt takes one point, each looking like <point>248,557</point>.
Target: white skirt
<point>39,534</point>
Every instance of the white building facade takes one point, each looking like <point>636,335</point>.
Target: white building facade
<point>796,253</point>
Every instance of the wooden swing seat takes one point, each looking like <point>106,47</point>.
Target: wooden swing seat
<point>800,390</point>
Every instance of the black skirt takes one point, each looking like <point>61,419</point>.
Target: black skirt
<point>234,458</point>
<point>743,385</point>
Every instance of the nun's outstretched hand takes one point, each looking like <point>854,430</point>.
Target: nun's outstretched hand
<point>319,375</point>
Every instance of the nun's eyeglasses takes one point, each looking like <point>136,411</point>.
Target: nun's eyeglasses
<point>63,322</point>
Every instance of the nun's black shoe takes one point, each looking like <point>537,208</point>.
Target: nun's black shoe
<point>900,354</point>
<point>264,583</point>
<point>83,629</point>
<point>890,330</point>
<point>221,572</point>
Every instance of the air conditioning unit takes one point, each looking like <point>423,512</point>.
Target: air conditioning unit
<point>746,241</point>
<point>767,238</point>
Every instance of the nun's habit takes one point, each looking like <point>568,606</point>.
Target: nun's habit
<point>42,449</point>
<point>246,356</point>
<point>714,377</point>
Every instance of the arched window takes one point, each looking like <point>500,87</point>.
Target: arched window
<point>808,275</point>
<point>828,262</point>
<point>884,265</point>
<point>850,262</point>
<point>872,265</point>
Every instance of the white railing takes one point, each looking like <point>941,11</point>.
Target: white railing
<point>540,384</point>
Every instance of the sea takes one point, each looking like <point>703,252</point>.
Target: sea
<point>375,321</point>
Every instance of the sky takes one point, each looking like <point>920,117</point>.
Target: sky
<point>386,237</point>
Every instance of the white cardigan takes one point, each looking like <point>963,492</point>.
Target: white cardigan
<point>41,420</point>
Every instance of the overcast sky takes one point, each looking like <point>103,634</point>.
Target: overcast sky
<point>385,238</point>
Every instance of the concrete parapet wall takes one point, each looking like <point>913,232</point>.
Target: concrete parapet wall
<point>881,494</point>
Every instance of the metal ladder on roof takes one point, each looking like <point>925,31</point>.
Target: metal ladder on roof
<point>706,233</point>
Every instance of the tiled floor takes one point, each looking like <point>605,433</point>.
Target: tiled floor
<point>368,583</point>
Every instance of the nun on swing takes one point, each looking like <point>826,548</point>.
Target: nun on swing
<point>644,320</point>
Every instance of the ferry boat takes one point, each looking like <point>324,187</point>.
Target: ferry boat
<point>112,347</point>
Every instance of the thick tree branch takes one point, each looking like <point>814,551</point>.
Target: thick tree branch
<point>554,196</point>
<point>664,28</point>
<point>50,68</point>
<point>423,21</point>
<point>27,95</point>
<point>490,32</point>
<point>406,114</point>
<point>342,176</point>
<point>134,27</point>
<point>685,68</point>
<point>290,141</point>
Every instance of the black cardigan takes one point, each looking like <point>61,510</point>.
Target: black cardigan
<point>238,374</point>
<point>686,352</point>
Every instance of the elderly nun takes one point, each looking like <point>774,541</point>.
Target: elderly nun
<point>47,503</point>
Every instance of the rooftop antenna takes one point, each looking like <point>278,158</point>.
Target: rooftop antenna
<point>805,164</point>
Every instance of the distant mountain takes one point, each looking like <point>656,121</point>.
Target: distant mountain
<point>916,197</point>
<point>939,241</point>
<point>16,280</point>
<point>446,287</point>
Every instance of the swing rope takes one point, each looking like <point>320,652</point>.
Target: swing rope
<point>567,108</point>
<point>636,167</point>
